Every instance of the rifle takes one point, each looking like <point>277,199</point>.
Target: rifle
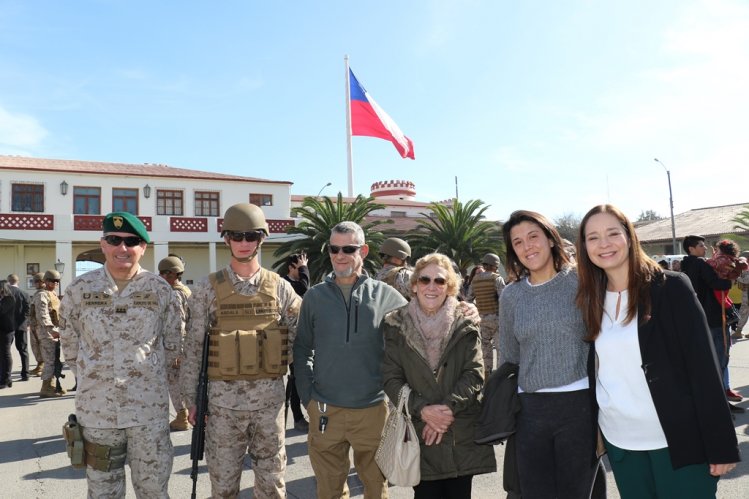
<point>58,367</point>
<point>201,403</point>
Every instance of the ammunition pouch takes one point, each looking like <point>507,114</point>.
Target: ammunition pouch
<point>105,457</point>
<point>54,308</point>
<point>73,435</point>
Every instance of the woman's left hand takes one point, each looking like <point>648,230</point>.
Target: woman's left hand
<point>721,469</point>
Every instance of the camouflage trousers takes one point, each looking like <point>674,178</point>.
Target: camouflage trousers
<point>149,453</point>
<point>175,389</point>
<point>47,346</point>
<point>36,348</point>
<point>230,434</point>
<point>489,330</point>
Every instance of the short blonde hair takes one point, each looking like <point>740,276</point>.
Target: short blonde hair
<point>453,281</point>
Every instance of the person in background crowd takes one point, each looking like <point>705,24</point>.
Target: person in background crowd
<point>705,282</point>
<point>34,334</point>
<point>9,314</point>
<point>541,329</point>
<point>47,308</point>
<point>395,271</point>
<point>22,324</point>
<point>298,276</point>
<point>486,289</point>
<point>120,329</point>
<point>662,411</point>
<point>431,335</point>
<point>171,269</point>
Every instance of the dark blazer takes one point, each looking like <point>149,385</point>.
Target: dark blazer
<point>22,307</point>
<point>679,364</point>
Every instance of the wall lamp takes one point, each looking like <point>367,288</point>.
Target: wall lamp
<point>63,188</point>
<point>147,191</point>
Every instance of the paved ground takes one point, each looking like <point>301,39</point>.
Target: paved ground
<point>33,463</point>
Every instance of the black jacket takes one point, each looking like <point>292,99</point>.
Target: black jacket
<point>22,307</point>
<point>704,281</point>
<point>678,361</point>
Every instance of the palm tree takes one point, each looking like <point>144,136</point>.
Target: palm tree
<point>459,231</point>
<point>319,217</point>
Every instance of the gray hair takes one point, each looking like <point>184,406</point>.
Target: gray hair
<point>350,228</point>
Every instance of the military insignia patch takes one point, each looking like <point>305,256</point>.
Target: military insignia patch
<point>117,221</point>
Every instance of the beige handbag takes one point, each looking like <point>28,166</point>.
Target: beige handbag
<point>398,455</point>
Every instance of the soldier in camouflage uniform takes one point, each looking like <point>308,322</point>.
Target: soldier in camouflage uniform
<point>486,288</point>
<point>395,271</point>
<point>242,304</point>
<point>36,348</point>
<point>120,328</point>
<point>47,310</point>
<point>171,269</point>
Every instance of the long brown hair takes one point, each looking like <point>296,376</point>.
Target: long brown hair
<point>517,270</point>
<point>591,290</point>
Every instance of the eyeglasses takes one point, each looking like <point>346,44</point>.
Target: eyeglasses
<point>348,249</point>
<point>129,241</point>
<point>250,237</point>
<point>425,280</point>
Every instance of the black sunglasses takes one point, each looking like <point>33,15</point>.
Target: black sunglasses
<point>129,241</point>
<point>426,280</point>
<point>250,237</point>
<point>348,249</point>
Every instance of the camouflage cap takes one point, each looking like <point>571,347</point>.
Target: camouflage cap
<point>122,221</point>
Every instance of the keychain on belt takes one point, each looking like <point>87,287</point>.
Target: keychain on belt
<point>323,418</point>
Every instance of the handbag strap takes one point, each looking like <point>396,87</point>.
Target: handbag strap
<point>403,399</point>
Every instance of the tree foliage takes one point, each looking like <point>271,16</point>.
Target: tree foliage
<point>459,231</point>
<point>648,216</point>
<point>319,216</point>
<point>568,226</point>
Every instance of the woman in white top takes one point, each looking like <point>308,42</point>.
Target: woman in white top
<point>661,409</point>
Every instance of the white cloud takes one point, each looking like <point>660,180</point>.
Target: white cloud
<point>19,132</point>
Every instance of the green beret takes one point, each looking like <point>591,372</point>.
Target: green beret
<point>122,221</point>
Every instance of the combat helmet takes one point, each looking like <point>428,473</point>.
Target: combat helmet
<point>244,217</point>
<point>491,259</point>
<point>51,275</point>
<point>396,247</point>
<point>171,264</point>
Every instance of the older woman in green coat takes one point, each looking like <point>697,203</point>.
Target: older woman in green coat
<point>433,348</point>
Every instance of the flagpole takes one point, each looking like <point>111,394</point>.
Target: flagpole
<point>349,148</point>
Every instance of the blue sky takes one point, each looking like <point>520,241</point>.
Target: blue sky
<point>544,105</point>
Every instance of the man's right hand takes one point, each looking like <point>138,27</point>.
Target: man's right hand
<point>191,413</point>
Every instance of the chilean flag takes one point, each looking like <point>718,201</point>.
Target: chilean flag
<point>370,120</point>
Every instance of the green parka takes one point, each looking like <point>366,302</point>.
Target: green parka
<point>456,383</point>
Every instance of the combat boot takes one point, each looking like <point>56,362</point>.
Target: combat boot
<point>37,371</point>
<point>48,390</point>
<point>180,423</point>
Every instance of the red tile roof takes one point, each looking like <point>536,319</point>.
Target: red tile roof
<point>95,167</point>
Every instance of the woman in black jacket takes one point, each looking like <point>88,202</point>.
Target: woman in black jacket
<point>662,412</point>
<point>7,333</point>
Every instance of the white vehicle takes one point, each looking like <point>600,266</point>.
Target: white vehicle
<point>669,258</point>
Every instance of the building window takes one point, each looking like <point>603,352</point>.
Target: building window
<point>261,199</point>
<point>125,200</point>
<point>28,197</point>
<point>86,200</point>
<point>169,202</point>
<point>397,214</point>
<point>206,204</point>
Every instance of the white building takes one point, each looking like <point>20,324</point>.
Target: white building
<point>51,211</point>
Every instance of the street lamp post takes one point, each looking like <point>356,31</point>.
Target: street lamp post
<point>323,188</point>
<point>671,200</point>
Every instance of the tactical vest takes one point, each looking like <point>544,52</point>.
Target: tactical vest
<point>182,289</point>
<point>485,292</point>
<point>54,308</point>
<point>247,342</point>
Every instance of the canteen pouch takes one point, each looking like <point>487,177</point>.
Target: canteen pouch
<point>73,435</point>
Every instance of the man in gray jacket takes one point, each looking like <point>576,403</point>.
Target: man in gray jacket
<point>338,355</point>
